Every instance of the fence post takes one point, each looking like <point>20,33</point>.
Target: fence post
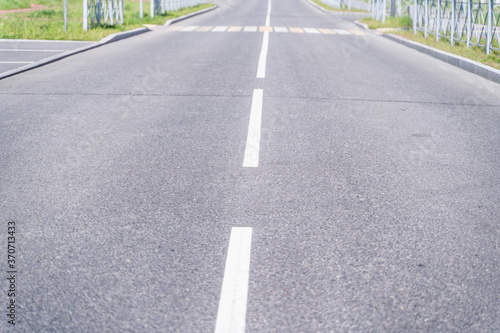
<point>85,15</point>
<point>438,20</point>
<point>415,13</point>
<point>453,21</point>
<point>426,18</point>
<point>489,37</point>
<point>469,22</point>
<point>384,6</point>
<point>152,8</point>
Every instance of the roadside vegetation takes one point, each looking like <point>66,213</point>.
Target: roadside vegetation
<point>343,9</point>
<point>402,27</point>
<point>48,23</point>
<point>390,22</point>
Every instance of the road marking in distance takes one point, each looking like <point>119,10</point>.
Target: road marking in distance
<point>251,159</point>
<point>341,31</point>
<point>311,31</point>
<point>16,62</point>
<point>327,31</point>
<point>280,29</point>
<point>296,30</point>
<point>250,29</point>
<point>268,16</point>
<point>231,316</point>
<point>264,29</point>
<point>220,28</point>
<point>261,69</point>
<point>234,29</point>
<point>205,28</point>
<point>190,28</point>
<point>357,32</point>
<point>26,50</point>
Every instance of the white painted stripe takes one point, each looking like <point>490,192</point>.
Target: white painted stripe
<point>190,28</point>
<point>268,16</point>
<point>250,29</point>
<point>261,69</point>
<point>280,29</point>
<point>251,159</point>
<point>220,28</point>
<point>16,62</point>
<point>342,31</point>
<point>231,316</point>
<point>311,31</point>
<point>26,50</point>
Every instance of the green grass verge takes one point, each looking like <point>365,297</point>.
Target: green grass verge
<point>390,22</point>
<point>343,9</point>
<point>475,53</point>
<point>14,4</point>
<point>49,22</point>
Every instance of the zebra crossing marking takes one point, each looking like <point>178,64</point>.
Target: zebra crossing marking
<point>294,30</point>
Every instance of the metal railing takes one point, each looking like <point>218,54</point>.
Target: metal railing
<point>472,22</point>
<point>102,12</point>
<point>348,4</point>
<point>382,7</point>
<point>110,12</point>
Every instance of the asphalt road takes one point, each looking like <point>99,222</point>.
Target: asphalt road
<point>373,199</point>
<point>15,54</point>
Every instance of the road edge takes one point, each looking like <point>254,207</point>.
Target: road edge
<point>183,17</point>
<point>471,66</point>
<point>106,40</point>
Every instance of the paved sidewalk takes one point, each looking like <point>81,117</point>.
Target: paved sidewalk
<point>16,53</point>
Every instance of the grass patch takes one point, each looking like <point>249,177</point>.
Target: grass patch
<point>14,4</point>
<point>390,22</point>
<point>475,53</point>
<point>49,22</point>
<point>344,8</point>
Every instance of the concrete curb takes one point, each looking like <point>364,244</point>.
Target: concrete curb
<point>471,66</point>
<point>181,18</point>
<point>336,12</point>
<point>362,25</point>
<point>106,40</point>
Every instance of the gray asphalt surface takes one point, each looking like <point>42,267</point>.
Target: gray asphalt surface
<point>19,53</point>
<point>375,206</point>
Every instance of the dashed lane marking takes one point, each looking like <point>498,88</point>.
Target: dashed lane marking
<point>280,29</point>
<point>231,315</point>
<point>251,159</point>
<point>205,28</point>
<point>250,29</point>
<point>264,29</point>
<point>342,31</point>
<point>29,50</point>
<point>234,29</point>
<point>220,28</point>
<point>294,30</point>
<point>190,28</point>
<point>326,31</point>
<point>311,31</point>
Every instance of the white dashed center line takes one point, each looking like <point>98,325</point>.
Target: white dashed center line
<point>268,16</point>
<point>261,69</point>
<point>231,316</point>
<point>251,159</point>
